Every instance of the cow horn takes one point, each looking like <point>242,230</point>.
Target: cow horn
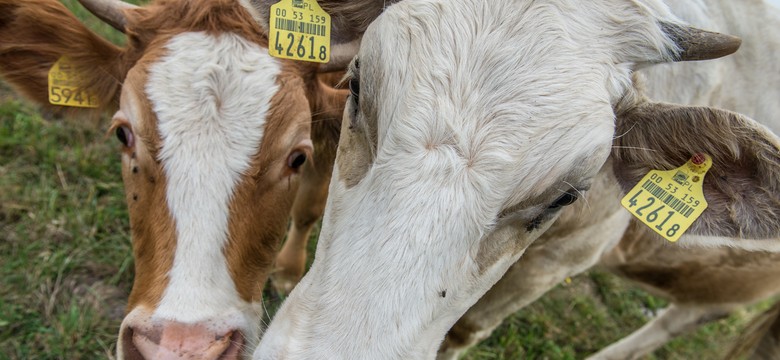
<point>696,44</point>
<point>110,11</point>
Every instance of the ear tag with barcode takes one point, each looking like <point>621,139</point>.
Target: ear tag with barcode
<point>65,86</point>
<point>300,30</point>
<point>670,201</point>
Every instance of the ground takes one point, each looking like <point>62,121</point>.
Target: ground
<point>67,269</point>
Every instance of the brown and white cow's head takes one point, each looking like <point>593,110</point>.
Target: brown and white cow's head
<point>471,125</point>
<point>213,133</point>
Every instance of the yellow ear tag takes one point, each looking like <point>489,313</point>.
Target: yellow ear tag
<point>65,86</point>
<point>670,201</point>
<point>300,30</point>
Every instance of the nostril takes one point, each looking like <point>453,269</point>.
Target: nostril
<point>129,351</point>
<point>139,344</point>
<point>235,347</point>
<point>145,343</point>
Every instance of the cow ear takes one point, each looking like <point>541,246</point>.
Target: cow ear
<point>349,20</point>
<point>328,104</point>
<point>743,185</point>
<point>36,34</point>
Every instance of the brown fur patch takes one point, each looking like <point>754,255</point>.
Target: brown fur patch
<point>262,203</point>
<point>165,18</point>
<point>151,224</point>
<point>694,275</point>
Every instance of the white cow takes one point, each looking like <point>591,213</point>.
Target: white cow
<point>703,284</point>
<point>472,124</point>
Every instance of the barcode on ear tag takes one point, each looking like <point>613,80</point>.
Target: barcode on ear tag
<point>300,30</point>
<point>670,201</point>
<point>66,86</point>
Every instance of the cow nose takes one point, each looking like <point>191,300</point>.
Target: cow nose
<point>183,341</point>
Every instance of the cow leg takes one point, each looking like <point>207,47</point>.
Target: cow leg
<point>760,339</point>
<point>674,321</point>
<point>307,210</point>
<point>513,292</point>
<point>545,264</point>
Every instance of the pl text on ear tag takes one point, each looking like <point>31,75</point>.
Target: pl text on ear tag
<point>670,201</point>
<point>300,30</point>
<point>65,86</point>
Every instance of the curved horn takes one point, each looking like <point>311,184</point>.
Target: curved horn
<point>110,11</point>
<point>696,44</point>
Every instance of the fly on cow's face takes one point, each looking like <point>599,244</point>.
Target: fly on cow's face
<point>534,224</point>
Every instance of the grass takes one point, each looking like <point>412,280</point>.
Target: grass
<point>66,264</point>
<point>65,243</point>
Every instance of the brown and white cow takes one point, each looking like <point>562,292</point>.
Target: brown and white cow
<point>476,123</point>
<point>214,136</point>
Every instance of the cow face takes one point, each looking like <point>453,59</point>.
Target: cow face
<point>213,133</point>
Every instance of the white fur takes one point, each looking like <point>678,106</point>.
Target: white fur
<point>211,95</point>
<point>519,113</point>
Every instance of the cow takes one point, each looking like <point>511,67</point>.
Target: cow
<point>471,126</point>
<point>702,284</point>
<point>216,138</point>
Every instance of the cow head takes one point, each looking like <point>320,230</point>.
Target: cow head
<point>470,126</point>
<point>212,133</point>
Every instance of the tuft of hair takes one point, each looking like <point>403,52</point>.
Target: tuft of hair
<point>170,17</point>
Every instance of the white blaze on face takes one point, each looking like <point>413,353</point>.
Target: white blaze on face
<point>211,95</point>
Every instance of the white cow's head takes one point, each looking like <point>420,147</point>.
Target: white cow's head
<point>471,125</point>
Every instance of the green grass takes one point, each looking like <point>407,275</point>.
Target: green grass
<point>65,244</point>
<point>596,309</point>
<point>66,264</point>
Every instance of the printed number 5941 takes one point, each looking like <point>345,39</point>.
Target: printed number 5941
<point>66,95</point>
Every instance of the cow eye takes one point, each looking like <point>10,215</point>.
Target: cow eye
<point>296,160</point>
<point>125,135</point>
<point>354,88</point>
<point>564,200</point>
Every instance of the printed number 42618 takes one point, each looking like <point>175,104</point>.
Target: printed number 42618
<point>655,214</point>
<point>300,49</point>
